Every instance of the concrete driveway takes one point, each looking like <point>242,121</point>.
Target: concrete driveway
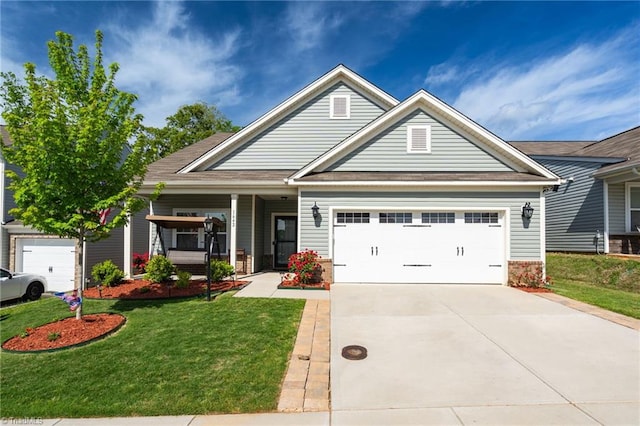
<point>447,354</point>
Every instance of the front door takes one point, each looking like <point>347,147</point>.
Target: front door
<point>286,242</point>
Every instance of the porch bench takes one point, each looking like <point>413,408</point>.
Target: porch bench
<point>188,260</point>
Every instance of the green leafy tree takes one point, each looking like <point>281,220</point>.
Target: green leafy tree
<point>190,124</point>
<point>71,139</point>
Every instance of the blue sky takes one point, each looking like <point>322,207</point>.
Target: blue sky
<point>523,70</point>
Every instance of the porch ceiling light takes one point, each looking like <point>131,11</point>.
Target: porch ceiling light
<point>315,210</point>
<point>527,211</point>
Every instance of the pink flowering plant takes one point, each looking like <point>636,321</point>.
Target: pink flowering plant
<point>305,266</point>
<point>140,262</point>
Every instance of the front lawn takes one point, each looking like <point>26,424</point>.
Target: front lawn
<point>173,357</point>
<point>605,281</point>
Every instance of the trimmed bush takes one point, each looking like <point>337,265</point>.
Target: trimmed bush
<point>107,273</point>
<point>183,279</point>
<point>220,270</point>
<point>159,269</point>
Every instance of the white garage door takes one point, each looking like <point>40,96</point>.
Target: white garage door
<point>419,247</point>
<point>52,258</point>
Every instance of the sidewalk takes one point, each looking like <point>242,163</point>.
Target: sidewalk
<point>265,284</point>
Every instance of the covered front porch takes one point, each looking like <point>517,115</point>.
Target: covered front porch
<point>255,232</point>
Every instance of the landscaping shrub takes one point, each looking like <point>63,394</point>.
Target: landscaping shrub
<point>183,279</point>
<point>159,269</point>
<point>306,266</point>
<point>220,270</point>
<point>107,273</point>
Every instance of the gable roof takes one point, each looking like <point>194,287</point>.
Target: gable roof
<point>559,148</point>
<point>165,168</point>
<point>443,112</point>
<point>625,144</point>
<point>338,74</point>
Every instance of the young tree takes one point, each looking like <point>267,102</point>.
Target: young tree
<point>71,139</point>
<point>190,124</point>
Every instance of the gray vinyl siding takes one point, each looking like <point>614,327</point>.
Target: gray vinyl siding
<point>617,217</point>
<point>259,235</point>
<point>449,151</point>
<point>140,231</point>
<point>111,248</point>
<point>575,212</point>
<point>524,241</point>
<point>8,204</point>
<point>303,135</point>
<point>271,207</point>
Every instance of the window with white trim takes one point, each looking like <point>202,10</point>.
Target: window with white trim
<point>340,107</point>
<point>419,139</point>
<point>633,201</point>
<point>186,238</point>
<point>193,239</point>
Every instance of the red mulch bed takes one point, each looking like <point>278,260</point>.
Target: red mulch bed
<point>534,289</point>
<point>136,289</point>
<point>72,332</point>
<point>293,285</point>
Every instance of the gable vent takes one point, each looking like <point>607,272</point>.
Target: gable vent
<point>419,139</point>
<point>340,107</point>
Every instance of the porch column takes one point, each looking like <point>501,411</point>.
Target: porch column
<point>605,231</point>
<point>232,238</point>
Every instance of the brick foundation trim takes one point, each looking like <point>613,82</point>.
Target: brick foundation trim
<point>327,269</point>
<point>517,268</point>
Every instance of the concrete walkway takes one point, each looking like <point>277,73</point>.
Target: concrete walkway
<point>265,284</point>
<point>490,355</point>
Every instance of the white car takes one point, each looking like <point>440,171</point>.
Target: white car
<point>20,284</point>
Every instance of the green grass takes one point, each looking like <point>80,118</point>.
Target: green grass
<point>171,358</point>
<point>605,281</point>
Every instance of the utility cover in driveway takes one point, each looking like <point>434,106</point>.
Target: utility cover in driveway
<point>419,247</point>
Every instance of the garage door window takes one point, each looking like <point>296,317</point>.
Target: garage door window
<point>395,217</point>
<point>481,217</point>
<point>440,217</point>
<point>352,217</point>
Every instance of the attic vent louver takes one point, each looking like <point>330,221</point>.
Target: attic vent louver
<point>419,139</point>
<point>340,107</point>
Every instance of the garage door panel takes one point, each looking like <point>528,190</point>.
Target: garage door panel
<point>451,247</point>
<point>52,258</point>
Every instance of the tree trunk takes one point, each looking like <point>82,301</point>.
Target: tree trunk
<point>79,276</point>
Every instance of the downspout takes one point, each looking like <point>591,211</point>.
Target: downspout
<point>605,194</point>
<point>635,171</point>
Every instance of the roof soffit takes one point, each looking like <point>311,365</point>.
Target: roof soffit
<point>441,112</point>
<point>339,74</point>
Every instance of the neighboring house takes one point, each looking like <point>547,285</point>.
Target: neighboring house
<point>597,207</point>
<point>23,248</point>
<point>385,191</point>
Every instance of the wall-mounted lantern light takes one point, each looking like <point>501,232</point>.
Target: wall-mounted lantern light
<point>315,210</point>
<point>527,211</point>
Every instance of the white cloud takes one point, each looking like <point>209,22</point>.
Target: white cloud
<point>309,23</point>
<point>168,64</point>
<point>566,94</point>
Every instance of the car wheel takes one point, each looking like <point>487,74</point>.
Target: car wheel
<point>34,291</point>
